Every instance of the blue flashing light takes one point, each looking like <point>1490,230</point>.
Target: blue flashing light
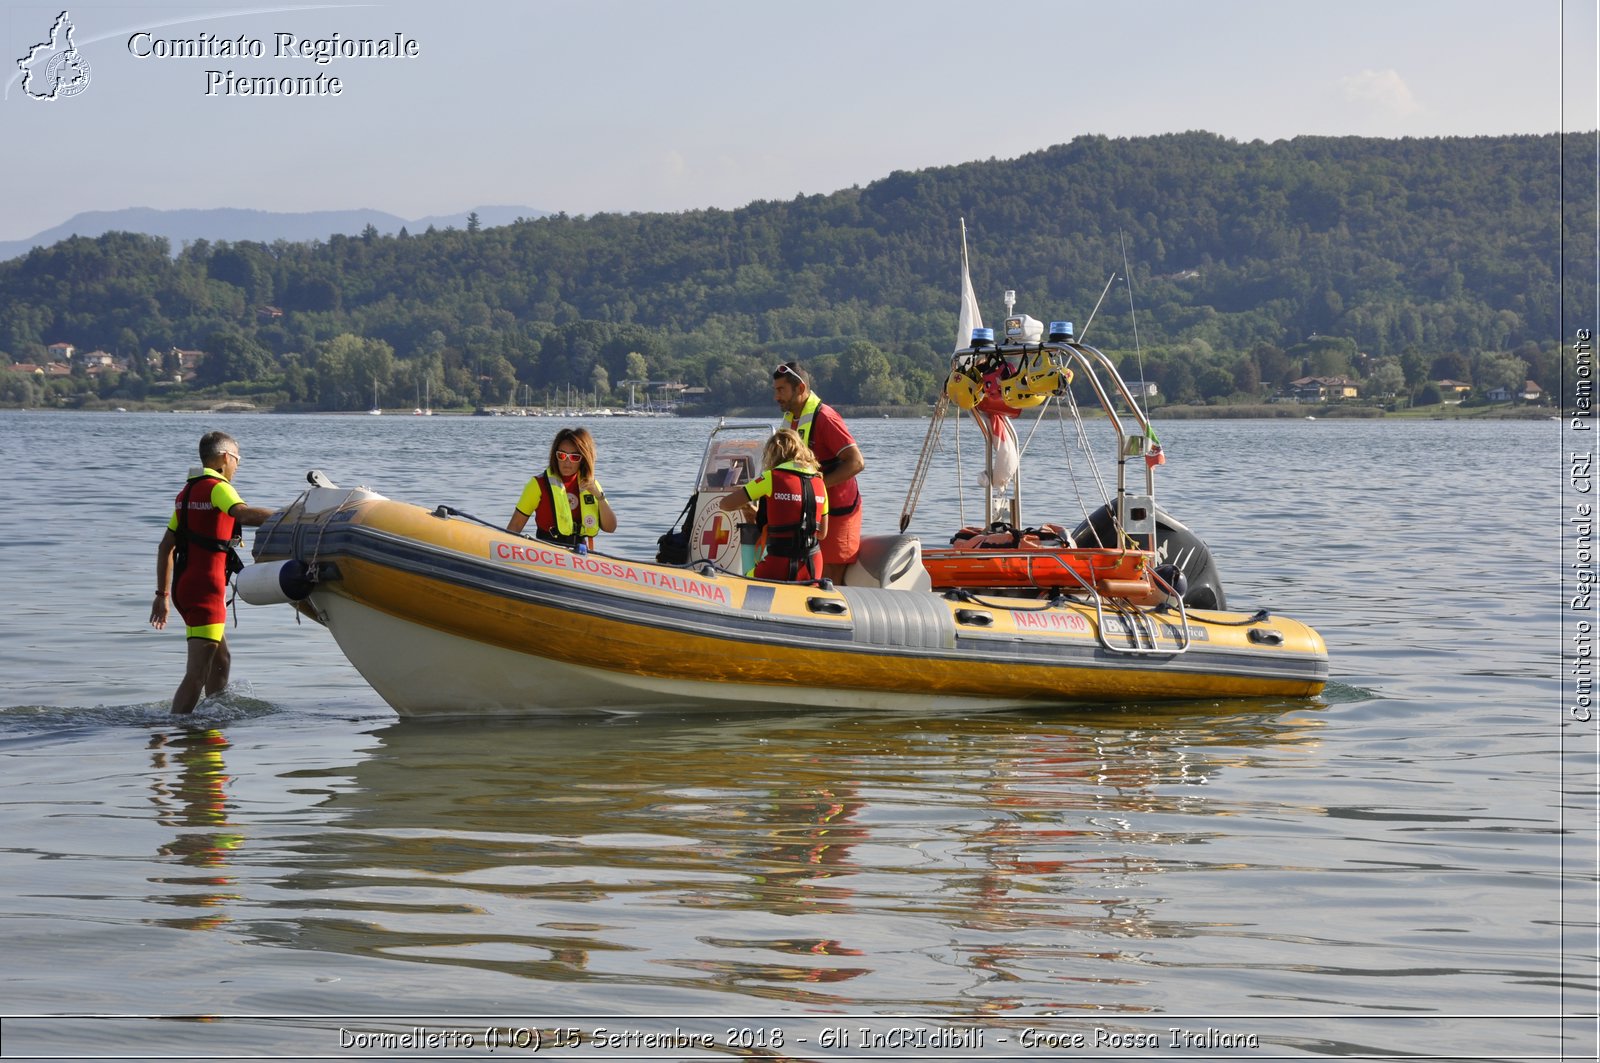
<point>983,337</point>
<point>1060,330</point>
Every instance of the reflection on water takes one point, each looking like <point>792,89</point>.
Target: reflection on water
<point>558,853</point>
<point>1409,852</point>
<point>188,787</point>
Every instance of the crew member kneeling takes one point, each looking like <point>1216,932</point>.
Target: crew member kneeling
<point>791,504</point>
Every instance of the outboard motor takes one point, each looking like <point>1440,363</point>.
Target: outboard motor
<point>1176,546</point>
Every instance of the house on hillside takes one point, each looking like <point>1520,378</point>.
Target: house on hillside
<point>181,364</point>
<point>61,352</point>
<point>1322,389</point>
<point>1528,392</point>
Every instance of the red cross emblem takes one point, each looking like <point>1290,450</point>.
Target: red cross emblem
<point>716,536</point>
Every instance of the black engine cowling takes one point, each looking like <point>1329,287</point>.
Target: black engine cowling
<point>1175,545</point>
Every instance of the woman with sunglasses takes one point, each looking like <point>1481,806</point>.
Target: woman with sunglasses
<point>565,501</point>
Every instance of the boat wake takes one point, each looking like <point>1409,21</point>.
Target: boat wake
<point>1336,693</point>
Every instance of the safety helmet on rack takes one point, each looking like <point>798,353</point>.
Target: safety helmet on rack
<point>1024,390</point>
<point>963,388</point>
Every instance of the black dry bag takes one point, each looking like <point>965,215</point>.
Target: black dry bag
<point>673,547</point>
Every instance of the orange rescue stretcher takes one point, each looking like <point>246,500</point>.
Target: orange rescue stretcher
<point>1047,567</point>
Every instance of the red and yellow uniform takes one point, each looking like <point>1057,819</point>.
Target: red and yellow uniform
<point>790,503</point>
<point>552,509</point>
<point>824,431</point>
<point>203,527</point>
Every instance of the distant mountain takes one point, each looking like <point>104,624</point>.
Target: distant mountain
<point>264,226</point>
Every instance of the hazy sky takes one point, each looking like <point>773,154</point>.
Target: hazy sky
<point>623,105</point>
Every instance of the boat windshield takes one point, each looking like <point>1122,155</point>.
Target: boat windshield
<point>730,462</point>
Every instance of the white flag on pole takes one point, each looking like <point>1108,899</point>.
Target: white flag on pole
<point>970,317</point>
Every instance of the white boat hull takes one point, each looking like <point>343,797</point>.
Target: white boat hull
<point>420,671</point>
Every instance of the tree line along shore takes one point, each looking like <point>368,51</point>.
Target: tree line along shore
<point>1355,275</point>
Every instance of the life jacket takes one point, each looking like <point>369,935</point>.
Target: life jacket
<point>202,525</point>
<point>802,425</point>
<point>789,515</point>
<point>561,506</point>
<point>808,414</point>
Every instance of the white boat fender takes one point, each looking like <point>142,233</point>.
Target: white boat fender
<point>275,582</point>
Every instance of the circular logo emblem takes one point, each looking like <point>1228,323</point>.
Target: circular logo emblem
<point>67,74</point>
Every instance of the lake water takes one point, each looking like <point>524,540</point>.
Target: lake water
<point>1404,865</point>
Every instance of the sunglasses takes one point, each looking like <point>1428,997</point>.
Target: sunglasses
<point>787,370</point>
<point>562,455</point>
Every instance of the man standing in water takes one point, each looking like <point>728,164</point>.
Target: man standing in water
<point>824,431</point>
<point>196,559</point>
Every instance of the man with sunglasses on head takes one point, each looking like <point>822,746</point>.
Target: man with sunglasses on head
<point>824,431</point>
<point>196,559</point>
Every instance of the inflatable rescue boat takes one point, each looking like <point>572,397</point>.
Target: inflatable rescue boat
<point>445,614</point>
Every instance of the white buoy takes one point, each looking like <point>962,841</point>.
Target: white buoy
<point>274,583</point>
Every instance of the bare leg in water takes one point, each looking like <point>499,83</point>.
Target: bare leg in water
<point>206,673</point>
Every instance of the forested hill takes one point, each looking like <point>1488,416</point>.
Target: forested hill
<point>1255,262</point>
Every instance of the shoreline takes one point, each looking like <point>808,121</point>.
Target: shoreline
<point>1252,412</point>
